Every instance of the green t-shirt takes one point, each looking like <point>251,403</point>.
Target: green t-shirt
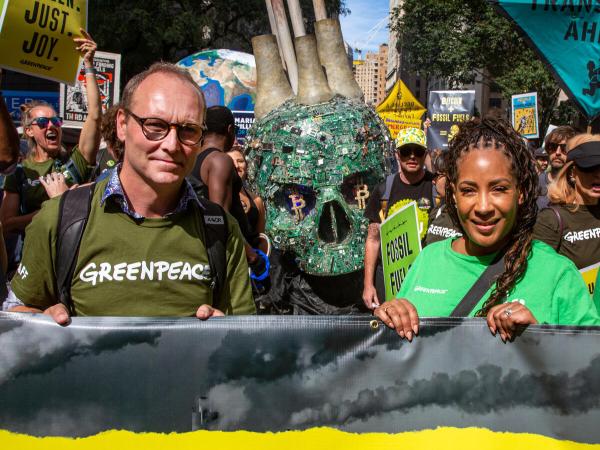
<point>597,292</point>
<point>34,193</point>
<point>551,288</point>
<point>128,267</point>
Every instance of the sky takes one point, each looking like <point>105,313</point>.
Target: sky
<point>365,14</point>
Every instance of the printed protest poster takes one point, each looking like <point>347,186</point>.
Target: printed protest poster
<point>400,245</point>
<point>400,110</point>
<point>566,37</point>
<point>36,37</point>
<point>243,122</point>
<point>446,110</point>
<point>73,99</point>
<point>590,275</point>
<point>525,115</point>
<point>15,98</point>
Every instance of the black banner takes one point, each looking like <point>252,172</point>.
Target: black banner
<point>286,373</point>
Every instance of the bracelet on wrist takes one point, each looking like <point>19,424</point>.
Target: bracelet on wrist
<point>90,70</point>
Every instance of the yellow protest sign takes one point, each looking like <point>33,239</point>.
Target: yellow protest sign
<point>400,109</point>
<point>36,37</point>
<point>589,275</point>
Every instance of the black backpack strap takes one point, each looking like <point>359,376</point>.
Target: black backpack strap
<point>74,210</point>
<point>561,226</point>
<point>214,221</point>
<point>481,286</point>
<point>385,198</point>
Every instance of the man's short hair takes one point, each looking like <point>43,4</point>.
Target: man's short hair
<point>218,120</point>
<point>159,67</point>
<point>559,134</point>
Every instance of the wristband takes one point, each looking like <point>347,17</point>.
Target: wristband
<point>90,71</point>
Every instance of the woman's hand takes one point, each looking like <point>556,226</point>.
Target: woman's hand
<point>507,318</point>
<point>54,183</point>
<point>401,315</point>
<point>87,47</point>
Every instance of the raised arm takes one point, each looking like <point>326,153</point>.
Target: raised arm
<point>89,139</point>
<point>9,138</point>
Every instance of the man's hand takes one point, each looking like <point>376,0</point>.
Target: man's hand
<point>507,318</point>
<point>401,315</point>
<point>207,311</point>
<point>59,313</point>
<point>369,297</point>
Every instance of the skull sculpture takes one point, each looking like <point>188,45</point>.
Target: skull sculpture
<point>315,166</point>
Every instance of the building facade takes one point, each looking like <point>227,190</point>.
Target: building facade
<point>370,74</point>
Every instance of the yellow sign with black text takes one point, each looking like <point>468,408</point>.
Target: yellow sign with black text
<point>36,37</point>
<point>400,109</point>
<point>589,275</point>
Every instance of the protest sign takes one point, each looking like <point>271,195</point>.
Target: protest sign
<point>400,245</point>
<point>566,37</point>
<point>400,109</point>
<point>15,98</point>
<point>446,109</point>
<point>36,37</point>
<point>525,115</point>
<point>73,99</point>
<point>590,275</point>
<point>266,374</point>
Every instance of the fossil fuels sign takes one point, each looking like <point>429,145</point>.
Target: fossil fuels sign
<point>566,35</point>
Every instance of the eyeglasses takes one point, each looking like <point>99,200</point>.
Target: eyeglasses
<point>552,147</point>
<point>156,129</point>
<point>43,122</point>
<point>407,150</point>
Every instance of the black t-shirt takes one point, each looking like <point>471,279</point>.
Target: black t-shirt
<point>580,238</point>
<point>421,192</point>
<point>440,226</point>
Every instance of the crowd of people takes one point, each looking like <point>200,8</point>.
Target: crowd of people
<point>159,220</point>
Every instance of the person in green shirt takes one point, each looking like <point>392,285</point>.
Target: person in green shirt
<point>143,251</point>
<point>492,196</point>
<point>49,170</point>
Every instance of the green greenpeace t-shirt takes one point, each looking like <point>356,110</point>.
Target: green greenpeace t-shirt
<point>34,193</point>
<point>149,267</point>
<point>551,288</point>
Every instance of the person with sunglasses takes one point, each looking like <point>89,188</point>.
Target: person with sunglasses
<point>492,182</point>
<point>555,145</point>
<point>49,170</point>
<point>571,224</point>
<point>412,183</point>
<point>144,251</point>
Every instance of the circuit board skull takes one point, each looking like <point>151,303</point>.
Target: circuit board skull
<point>315,166</point>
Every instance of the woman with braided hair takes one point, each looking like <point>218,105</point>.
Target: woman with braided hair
<point>491,197</point>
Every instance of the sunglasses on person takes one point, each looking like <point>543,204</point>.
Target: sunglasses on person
<point>407,150</point>
<point>552,147</point>
<point>156,129</point>
<point>43,122</point>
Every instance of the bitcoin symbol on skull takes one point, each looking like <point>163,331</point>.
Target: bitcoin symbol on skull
<point>298,204</point>
<point>362,194</point>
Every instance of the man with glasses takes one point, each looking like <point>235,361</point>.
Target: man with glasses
<point>556,148</point>
<point>412,183</point>
<point>144,249</point>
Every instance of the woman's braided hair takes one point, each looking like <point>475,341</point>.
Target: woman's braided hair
<point>497,134</point>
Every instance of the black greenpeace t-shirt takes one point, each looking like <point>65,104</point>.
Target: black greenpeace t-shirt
<point>421,192</point>
<point>580,239</point>
<point>440,226</point>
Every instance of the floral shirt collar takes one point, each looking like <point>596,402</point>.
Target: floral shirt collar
<point>115,191</point>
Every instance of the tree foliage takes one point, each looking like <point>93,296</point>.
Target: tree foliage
<point>459,40</point>
<point>145,31</point>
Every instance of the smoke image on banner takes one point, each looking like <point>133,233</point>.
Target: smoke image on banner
<point>293,373</point>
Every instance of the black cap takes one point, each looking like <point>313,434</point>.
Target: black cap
<point>585,155</point>
<point>540,153</point>
<point>218,119</point>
